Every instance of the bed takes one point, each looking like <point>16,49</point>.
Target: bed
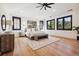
<point>36,35</point>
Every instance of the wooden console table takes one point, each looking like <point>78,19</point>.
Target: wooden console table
<point>6,42</point>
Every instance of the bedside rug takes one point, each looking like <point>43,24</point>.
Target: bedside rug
<point>41,42</point>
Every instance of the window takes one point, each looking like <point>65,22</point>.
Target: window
<point>16,23</point>
<point>41,25</point>
<point>68,22</point>
<point>60,23</point>
<point>51,24</point>
<point>64,23</point>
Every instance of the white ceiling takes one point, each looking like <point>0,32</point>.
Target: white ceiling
<point>30,10</point>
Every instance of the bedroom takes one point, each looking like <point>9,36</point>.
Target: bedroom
<point>47,27</point>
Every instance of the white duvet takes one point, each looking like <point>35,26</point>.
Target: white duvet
<point>35,33</point>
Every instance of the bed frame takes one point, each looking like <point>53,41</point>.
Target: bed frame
<point>38,37</point>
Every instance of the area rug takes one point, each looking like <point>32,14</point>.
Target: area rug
<point>41,43</point>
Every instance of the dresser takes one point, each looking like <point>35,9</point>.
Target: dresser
<point>6,42</point>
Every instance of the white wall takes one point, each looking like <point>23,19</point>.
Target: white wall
<point>66,33</point>
<point>25,10</point>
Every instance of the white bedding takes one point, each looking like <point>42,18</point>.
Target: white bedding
<point>35,33</point>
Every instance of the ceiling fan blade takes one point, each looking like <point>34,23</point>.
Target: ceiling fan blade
<point>40,3</point>
<point>50,3</point>
<point>41,7</point>
<point>38,6</point>
<point>45,8</point>
<point>48,6</point>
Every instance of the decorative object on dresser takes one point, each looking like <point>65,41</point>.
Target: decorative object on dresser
<point>6,42</point>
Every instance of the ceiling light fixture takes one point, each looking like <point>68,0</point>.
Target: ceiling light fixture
<point>44,5</point>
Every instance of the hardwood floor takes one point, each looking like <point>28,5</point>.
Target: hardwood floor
<point>63,47</point>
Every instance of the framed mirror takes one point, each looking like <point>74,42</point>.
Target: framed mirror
<point>16,23</point>
<point>3,22</point>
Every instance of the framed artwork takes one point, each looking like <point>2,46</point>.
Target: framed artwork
<point>51,24</point>
<point>3,22</point>
<point>64,23</point>
<point>16,23</point>
<point>31,24</point>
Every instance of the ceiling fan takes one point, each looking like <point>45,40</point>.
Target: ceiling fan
<point>44,5</point>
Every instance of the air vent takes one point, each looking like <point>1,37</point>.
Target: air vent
<point>69,10</point>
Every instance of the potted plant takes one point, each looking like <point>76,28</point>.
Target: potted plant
<point>77,29</point>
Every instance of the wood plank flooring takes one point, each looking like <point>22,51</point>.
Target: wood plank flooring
<point>63,47</point>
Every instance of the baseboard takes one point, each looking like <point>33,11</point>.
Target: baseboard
<point>62,37</point>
